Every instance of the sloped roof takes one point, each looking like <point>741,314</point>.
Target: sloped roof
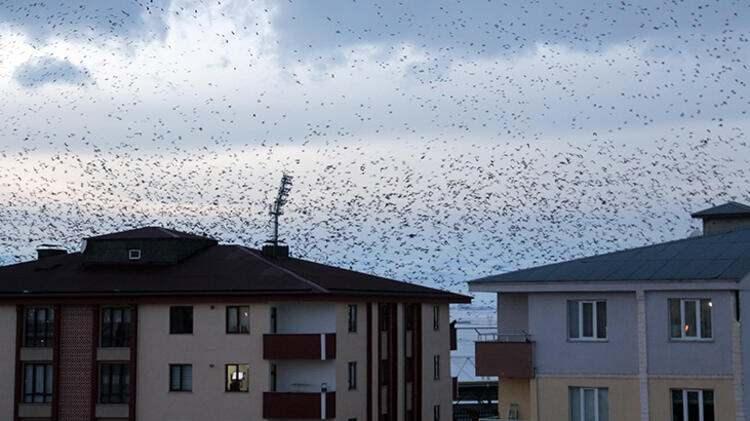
<point>149,233</point>
<point>215,270</point>
<point>727,210</point>
<point>724,256</point>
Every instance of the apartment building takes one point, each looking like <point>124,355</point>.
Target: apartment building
<point>653,333</point>
<point>153,324</point>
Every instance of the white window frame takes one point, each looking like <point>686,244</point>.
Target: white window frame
<point>698,321</point>
<point>702,411</point>
<point>581,401</point>
<point>594,320</point>
<point>134,254</point>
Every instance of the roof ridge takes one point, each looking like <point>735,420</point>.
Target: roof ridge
<point>285,270</point>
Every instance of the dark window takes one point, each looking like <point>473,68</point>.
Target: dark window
<point>352,318</point>
<point>181,320</point>
<point>238,319</point>
<point>39,327</point>
<point>436,367</point>
<point>273,319</point>
<point>236,378</point>
<point>353,375</point>
<point>37,383</point>
<point>115,327</point>
<point>436,317</point>
<point>114,383</point>
<point>693,405</point>
<point>587,320</point>
<point>180,377</point>
<point>273,377</point>
<point>436,412</point>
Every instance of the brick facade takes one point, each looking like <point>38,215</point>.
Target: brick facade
<point>77,352</point>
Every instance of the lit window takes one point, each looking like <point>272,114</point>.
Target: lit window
<point>134,254</point>
<point>587,320</point>
<point>690,319</point>
<point>693,405</point>
<point>589,404</point>
<point>238,319</point>
<point>237,378</point>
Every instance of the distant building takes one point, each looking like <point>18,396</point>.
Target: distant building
<point>153,324</point>
<point>653,333</point>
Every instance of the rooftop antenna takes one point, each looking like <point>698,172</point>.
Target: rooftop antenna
<point>276,210</point>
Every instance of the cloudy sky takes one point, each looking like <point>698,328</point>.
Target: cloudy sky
<point>433,141</point>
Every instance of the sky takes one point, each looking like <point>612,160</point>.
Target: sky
<point>433,142</point>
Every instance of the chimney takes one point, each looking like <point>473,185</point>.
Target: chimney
<point>49,250</point>
<point>724,218</point>
<point>276,251</point>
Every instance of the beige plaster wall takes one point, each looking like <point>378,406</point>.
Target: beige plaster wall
<point>351,347</point>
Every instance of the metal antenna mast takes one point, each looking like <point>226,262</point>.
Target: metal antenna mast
<point>277,208</point>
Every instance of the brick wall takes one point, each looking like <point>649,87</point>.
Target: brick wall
<point>76,369</point>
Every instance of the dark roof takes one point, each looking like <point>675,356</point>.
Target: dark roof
<point>727,210</point>
<point>724,256</point>
<point>214,270</point>
<point>149,233</point>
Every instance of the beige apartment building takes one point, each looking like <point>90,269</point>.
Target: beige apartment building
<point>153,324</point>
<point>655,333</point>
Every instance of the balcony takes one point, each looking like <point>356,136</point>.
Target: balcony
<point>295,405</point>
<point>299,346</point>
<point>505,355</point>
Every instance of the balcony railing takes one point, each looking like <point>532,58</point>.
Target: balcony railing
<point>507,355</point>
<point>299,346</point>
<point>294,405</point>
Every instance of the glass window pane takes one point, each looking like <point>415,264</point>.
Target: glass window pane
<point>28,382</point>
<point>231,377</point>
<point>601,319</point>
<point>39,372</point>
<point>708,405</point>
<point>48,379</point>
<point>706,319</point>
<point>693,406</point>
<point>678,413</point>
<point>244,319</point>
<point>588,320</point>
<point>691,319</point>
<point>187,377</point>
<point>573,319</point>
<point>603,404</point>
<point>174,377</point>
<point>674,319</point>
<point>589,409</point>
<point>575,404</point>
<point>232,325</point>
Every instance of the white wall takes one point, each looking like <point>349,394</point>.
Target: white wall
<point>301,317</point>
<point>305,376</point>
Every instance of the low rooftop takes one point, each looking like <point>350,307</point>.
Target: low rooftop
<point>209,269</point>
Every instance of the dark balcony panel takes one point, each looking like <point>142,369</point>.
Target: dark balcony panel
<point>509,360</point>
<point>298,346</point>
<point>298,405</point>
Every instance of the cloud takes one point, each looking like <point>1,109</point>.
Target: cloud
<point>50,70</point>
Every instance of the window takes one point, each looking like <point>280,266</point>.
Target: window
<point>436,367</point>
<point>353,375</point>
<point>181,320</point>
<point>238,319</point>
<point>436,412</point>
<point>690,319</point>
<point>134,254</point>
<point>39,327</point>
<point>37,383</point>
<point>114,383</point>
<point>236,378</point>
<point>587,320</point>
<point>273,320</point>
<point>352,318</point>
<point>180,377</point>
<point>589,404</point>
<point>693,405</point>
<point>436,317</point>
<point>115,327</point>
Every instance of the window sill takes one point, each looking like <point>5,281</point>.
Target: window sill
<point>236,391</point>
<point>180,391</point>
<point>691,340</point>
<point>579,340</point>
<point>238,333</point>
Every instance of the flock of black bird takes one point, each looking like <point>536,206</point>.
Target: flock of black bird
<point>433,142</point>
